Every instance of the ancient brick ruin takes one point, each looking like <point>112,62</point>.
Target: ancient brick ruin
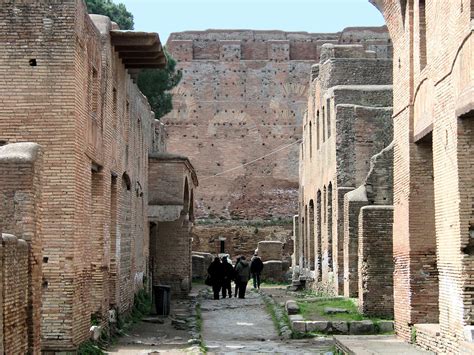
<point>171,214</point>
<point>243,96</point>
<point>78,196</point>
<point>433,171</point>
<point>366,135</point>
<point>348,120</point>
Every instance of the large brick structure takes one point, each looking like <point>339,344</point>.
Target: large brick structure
<point>242,98</point>
<point>65,84</point>
<point>21,260</point>
<point>433,170</point>
<point>173,183</point>
<point>348,120</point>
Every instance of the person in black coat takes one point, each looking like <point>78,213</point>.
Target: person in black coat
<point>215,271</point>
<point>243,269</point>
<point>228,273</point>
<point>236,277</point>
<point>256,267</point>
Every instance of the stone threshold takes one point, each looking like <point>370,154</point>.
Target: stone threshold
<point>375,344</point>
<point>340,327</point>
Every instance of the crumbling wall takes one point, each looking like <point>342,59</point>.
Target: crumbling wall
<point>375,264</point>
<point>14,269</point>
<point>94,125</point>
<point>348,121</point>
<point>171,212</point>
<point>21,169</point>
<point>433,102</point>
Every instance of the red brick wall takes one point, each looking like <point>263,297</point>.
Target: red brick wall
<point>375,264</point>
<point>14,254</point>
<point>20,214</point>
<point>52,104</point>
<point>429,241</point>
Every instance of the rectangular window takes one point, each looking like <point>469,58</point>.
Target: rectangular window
<point>323,118</point>
<point>422,33</point>
<point>94,90</point>
<point>222,246</point>
<point>114,108</point>
<point>328,109</point>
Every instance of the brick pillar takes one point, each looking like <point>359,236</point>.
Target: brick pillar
<point>375,264</point>
<point>353,202</point>
<point>15,295</point>
<point>2,349</point>
<point>339,239</point>
<point>21,169</point>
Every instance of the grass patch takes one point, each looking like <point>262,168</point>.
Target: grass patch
<point>89,348</point>
<point>202,345</point>
<point>273,284</point>
<point>315,310</point>
<point>271,310</point>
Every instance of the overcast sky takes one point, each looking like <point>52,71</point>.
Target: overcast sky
<point>166,16</point>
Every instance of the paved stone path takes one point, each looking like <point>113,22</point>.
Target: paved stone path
<point>232,326</point>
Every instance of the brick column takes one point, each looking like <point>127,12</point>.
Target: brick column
<point>375,266</point>
<point>353,202</point>
<point>21,168</point>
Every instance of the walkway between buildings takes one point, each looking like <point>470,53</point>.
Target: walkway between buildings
<point>235,325</point>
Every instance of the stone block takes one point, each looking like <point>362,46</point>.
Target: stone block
<point>318,326</point>
<point>385,326</point>
<point>95,332</point>
<point>270,250</point>
<point>272,271</point>
<point>299,326</point>
<point>295,317</point>
<point>331,310</point>
<point>340,327</point>
<point>291,307</point>
<point>362,327</point>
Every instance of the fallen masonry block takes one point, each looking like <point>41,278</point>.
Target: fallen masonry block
<point>330,310</point>
<point>95,332</point>
<point>318,326</point>
<point>361,327</point>
<point>299,326</point>
<point>295,317</point>
<point>340,327</point>
<point>292,307</point>
<point>385,326</point>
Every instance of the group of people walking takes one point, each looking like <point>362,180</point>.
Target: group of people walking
<point>221,273</point>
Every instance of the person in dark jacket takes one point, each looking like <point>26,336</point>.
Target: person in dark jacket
<point>215,271</point>
<point>236,277</point>
<point>243,270</point>
<point>228,275</point>
<point>256,267</point>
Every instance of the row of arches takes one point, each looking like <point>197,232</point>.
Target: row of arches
<point>322,127</point>
<point>317,233</point>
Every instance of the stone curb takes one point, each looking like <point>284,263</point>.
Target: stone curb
<point>364,327</point>
<point>280,312</point>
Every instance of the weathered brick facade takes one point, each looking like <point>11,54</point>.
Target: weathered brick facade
<point>64,84</point>
<point>173,183</point>
<point>21,170</point>
<point>348,120</point>
<point>243,96</point>
<point>375,261</point>
<point>433,170</point>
